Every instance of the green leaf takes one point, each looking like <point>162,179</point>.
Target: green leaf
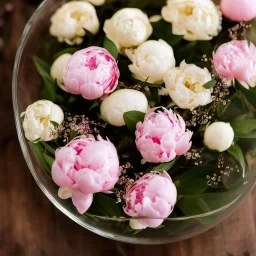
<point>244,127</point>
<point>50,86</point>
<point>210,84</point>
<point>164,167</point>
<point>48,148</point>
<point>55,124</point>
<point>250,94</point>
<point>163,30</point>
<point>131,119</point>
<point>107,206</point>
<point>110,47</point>
<point>95,104</point>
<point>38,151</point>
<point>237,153</point>
<point>36,140</point>
<point>48,159</point>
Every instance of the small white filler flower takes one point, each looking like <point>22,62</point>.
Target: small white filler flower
<point>58,67</point>
<point>219,136</point>
<point>113,107</point>
<point>39,120</point>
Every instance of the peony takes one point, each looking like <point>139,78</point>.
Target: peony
<point>162,136</point>
<point>91,72</point>
<point>83,167</point>
<point>96,2</point>
<point>219,136</point>
<point>70,21</point>
<point>152,196</point>
<point>151,61</point>
<point>195,19</point>
<point>128,28</point>
<point>38,118</point>
<point>113,107</point>
<point>237,59</point>
<point>238,10</point>
<point>58,67</point>
<point>185,86</point>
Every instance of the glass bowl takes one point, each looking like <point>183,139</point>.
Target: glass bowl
<point>26,86</point>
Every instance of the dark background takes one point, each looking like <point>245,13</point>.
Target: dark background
<point>31,225</point>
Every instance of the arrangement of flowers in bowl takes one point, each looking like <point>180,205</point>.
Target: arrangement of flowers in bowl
<point>138,118</point>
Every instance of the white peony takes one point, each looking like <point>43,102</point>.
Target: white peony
<point>37,120</point>
<point>151,61</point>
<point>136,225</point>
<point>113,107</point>
<point>219,136</point>
<point>195,19</point>
<point>185,86</point>
<point>58,67</point>
<point>69,22</point>
<point>96,2</point>
<point>128,28</point>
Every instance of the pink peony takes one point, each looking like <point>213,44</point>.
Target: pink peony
<point>162,136</point>
<point>236,59</point>
<point>152,196</point>
<point>91,72</point>
<point>86,166</point>
<point>238,10</point>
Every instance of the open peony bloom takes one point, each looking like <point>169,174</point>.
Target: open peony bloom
<point>185,86</point>
<point>151,61</point>
<point>91,72</point>
<point>58,67</point>
<point>162,136</point>
<point>84,167</point>
<point>195,19</point>
<point>38,118</point>
<point>237,59</point>
<point>239,10</point>
<point>96,2</point>
<point>70,21</point>
<point>128,28</point>
<point>152,196</point>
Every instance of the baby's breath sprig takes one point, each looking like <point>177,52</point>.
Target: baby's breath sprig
<point>239,30</point>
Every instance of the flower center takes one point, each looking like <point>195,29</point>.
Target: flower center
<point>188,10</point>
<point>191,86</point>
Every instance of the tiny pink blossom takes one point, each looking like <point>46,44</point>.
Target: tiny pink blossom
<point>86,166</point>
<point>152,196</point>
<point>162,136</point>
<point>91,72</point>
<point>236,59</point>
<point>239,10</point>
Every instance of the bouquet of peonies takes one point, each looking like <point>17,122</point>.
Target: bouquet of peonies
<point>145,115</point>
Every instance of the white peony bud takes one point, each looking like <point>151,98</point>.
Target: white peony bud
<point>135,224</point>
<point>185,86</point>
<point>113,107</point>
<point>128,28</point>
<point>151,61</point>
<point>219,136</point>
<point>58,67</point>
<point>69,22</point>
<point>195,19</point>
<point>37,123</point>
<point>96,2</point>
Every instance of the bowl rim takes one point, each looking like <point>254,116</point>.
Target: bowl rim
<point>25,151</point>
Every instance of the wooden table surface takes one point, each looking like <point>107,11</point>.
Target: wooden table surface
<point>31,225</point>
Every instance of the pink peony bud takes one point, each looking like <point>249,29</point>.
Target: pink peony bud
<point>86,166</point>
<point>236,59</point>
<point>238,10</point>
<point>162,136</point>
<point>152,196</point>
<point>91,72</point>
